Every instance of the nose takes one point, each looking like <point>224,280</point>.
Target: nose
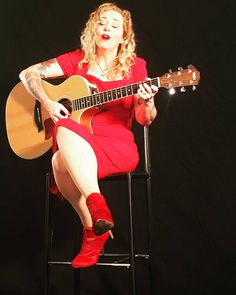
<point>107,27</point>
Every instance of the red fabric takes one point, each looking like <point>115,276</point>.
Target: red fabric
<point>112,139</point>
<point>90,249</point>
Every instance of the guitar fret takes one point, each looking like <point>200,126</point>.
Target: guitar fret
<point>123,91</point>
<point>109,95</point>
<point>118,93</point>
<point>75,104</point>
<point>94,99</point>
<point>155,81</point>
<point>106,96</point>
<point>80,104</point>
<point>114,96</point>
<point>129,90</point>
<point>102,98</point>
<point>83,102</point>
<point>88,101</point>
<point>91,100</point>
<point>135,88</point>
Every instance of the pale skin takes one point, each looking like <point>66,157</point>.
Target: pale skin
<point>78,179</point>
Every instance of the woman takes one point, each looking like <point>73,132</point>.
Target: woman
<point>106,59</point>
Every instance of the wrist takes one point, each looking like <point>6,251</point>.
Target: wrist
<point>146,101</point>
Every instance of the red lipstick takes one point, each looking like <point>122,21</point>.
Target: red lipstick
<point>105,37</point>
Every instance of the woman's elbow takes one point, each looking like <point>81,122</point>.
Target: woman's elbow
<point>22,75</point>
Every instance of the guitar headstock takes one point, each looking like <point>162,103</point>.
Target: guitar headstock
<point>180,78</point>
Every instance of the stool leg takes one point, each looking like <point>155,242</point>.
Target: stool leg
<point>131,236</point>
<point>76,272</point>
<point>76,281</point>
<point>47,236</point>
<point>149,212</point>
<point>149,203</point>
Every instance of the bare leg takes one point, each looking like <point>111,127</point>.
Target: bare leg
<point>91,244</point>
<point>79,160</point>
<point>69,190</point>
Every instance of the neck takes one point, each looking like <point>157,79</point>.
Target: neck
<point>105,57</point>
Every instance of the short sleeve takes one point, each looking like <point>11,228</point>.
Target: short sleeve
<point>139,70</point>
<point>69,62</point>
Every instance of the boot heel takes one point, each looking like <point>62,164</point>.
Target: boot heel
<point>101,215</point>
<point>111,234</point>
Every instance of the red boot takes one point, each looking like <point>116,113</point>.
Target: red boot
<point>90,249</point>
<point>101,215</point>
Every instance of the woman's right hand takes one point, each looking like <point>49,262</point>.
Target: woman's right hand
<point>56,110</point>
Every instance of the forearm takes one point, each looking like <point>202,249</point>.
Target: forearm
<point>31,79</point>
<point>144,107</point>
<point>145,111</point>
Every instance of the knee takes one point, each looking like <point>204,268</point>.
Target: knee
<point>57,163</point>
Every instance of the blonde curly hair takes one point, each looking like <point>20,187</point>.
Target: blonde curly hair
<point>126,51</point>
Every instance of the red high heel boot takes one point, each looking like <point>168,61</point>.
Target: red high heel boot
<point>90,248</point>
<point>101,215</point>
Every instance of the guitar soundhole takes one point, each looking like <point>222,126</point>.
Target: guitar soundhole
<point>67,104</point>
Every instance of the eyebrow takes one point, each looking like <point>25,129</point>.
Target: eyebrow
<point>114,19</point>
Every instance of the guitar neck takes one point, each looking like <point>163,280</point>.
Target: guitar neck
<point>100,98</point>
<point>180,78</point>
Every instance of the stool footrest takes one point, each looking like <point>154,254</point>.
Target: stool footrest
<point>118,262</point>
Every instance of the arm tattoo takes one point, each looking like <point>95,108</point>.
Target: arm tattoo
<point>45,66</point>
<point>33,77</point>
<point>34,84</point>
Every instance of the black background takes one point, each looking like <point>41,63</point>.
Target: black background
<point>192,147</point>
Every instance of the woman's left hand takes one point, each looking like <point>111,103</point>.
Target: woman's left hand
<point>145,110</point>
<point>147,92</point>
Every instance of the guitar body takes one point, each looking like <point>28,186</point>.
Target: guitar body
<point>23,135</point>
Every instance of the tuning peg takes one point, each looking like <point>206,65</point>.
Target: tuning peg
<point>180,69</point>
<point>183,89</point>
<point>171,91</point>
<point>170,71</point>
<point>190,66</point>
<point>194,88</point>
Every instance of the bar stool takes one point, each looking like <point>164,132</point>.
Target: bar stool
<point>125,260</point>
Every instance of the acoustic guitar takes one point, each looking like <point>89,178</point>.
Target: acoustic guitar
<point>29,127</point>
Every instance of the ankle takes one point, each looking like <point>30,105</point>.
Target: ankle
<point>88,231</point>
<point>100,213</point>
<point>98,197</point>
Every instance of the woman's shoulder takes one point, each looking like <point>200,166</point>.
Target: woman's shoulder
<point>69,61</point>
<point>139,61</point>
<point>139,69</point>
<point>77,53</point>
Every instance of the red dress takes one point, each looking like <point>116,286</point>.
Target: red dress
<point>112,140</point>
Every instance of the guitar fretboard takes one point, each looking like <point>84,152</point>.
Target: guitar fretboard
<point>100,98</point>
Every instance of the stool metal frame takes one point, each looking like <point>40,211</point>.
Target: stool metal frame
<point>121,260</point>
